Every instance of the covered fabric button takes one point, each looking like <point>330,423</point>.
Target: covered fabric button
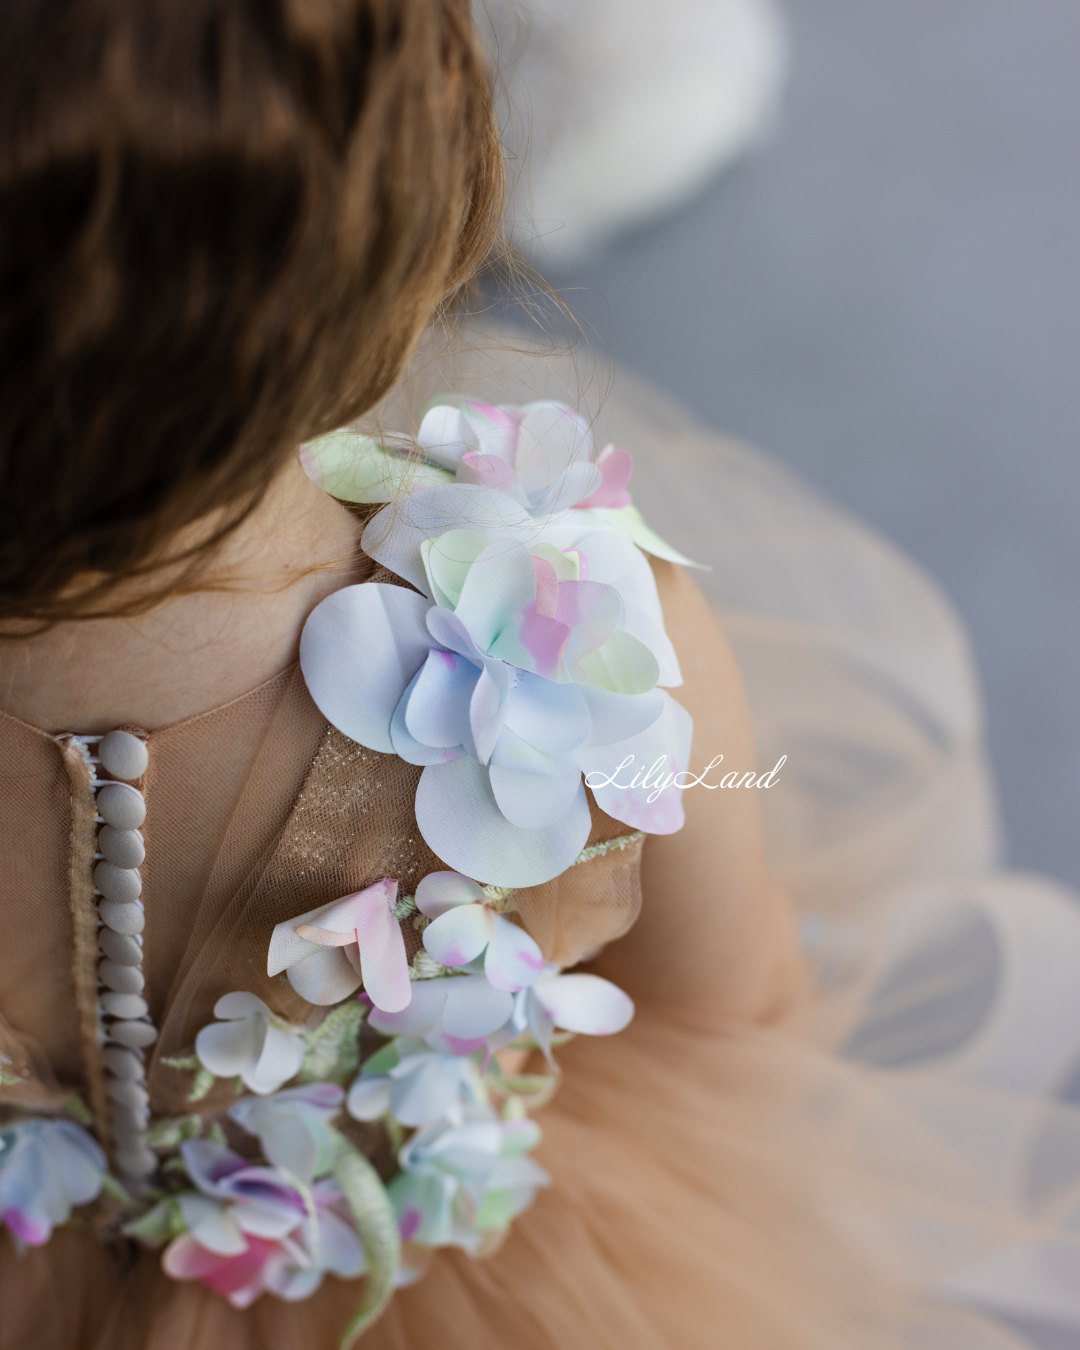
<point>133,1033</point>
<point>128,919</point>
<point>122,979</point>
<point>127,1092</point>
<point>122,884</point>
<point>121,806</point>
<point>124,1005</point>
<point>136,1162</point>
<point>129,1124</point>
<point>123,1063</point>
<point>125,951</point>
<point>124,848</point>
<point>123,755</point>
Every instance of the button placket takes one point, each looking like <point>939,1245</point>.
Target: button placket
<point>125,1028</point>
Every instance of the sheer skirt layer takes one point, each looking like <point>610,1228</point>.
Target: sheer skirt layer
<point>897,1168</point>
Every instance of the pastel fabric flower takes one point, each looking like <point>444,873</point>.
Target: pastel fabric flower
<point>293,1127</point>
<point>453,1013</point>
<point>577,1002</point>
<point>459,1181</point>
<point>539,454</point>
<point>468,441</point>
<point>330,951</point>
<point>46,1168</point>
<point>465,928</point>
<point>525,657</point>
<point>251,1230</point>
<point>414,1084</point>
<point>250,1043</point>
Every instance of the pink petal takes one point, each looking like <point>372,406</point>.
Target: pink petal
<point>33,1229</point>
<point>585,1003</point>
<point>440,891</point>
<point>460,935</point>
<point>616,466</point>
<point>513,959</point>
<point>547,587</point>
<point>184,1259</point>
<point>591,610</point>
<point>323,936</point>
<point>488,471</point>
<point>544,641</point>
<point>383,963</point>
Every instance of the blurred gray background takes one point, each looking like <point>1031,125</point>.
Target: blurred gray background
<point>886,295</point>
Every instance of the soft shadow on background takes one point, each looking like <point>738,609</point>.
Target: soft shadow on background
<point>886,294</point>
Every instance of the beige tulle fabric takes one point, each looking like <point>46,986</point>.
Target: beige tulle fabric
<point>734,1186</point>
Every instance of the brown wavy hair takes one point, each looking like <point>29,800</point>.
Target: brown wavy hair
<point>223,226</point>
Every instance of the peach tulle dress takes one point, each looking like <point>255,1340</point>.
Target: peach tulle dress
<point>896,1166</point>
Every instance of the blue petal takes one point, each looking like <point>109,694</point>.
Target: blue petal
<point>359,649</point>
<point>460,820</point>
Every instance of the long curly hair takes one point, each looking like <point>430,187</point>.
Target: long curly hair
<point>223,226</point>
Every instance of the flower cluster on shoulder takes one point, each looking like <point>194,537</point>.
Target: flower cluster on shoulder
<point>529,648</point>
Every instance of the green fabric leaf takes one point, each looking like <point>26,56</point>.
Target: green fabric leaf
<point>376,1224</point>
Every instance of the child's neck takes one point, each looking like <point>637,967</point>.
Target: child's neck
<point>197,651</point>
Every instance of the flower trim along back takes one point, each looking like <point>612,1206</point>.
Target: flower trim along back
<point>529,647</point>
<point>526,650</point>
<point>278,1190</point>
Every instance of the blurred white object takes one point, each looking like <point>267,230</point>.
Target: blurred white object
<point>618,111</point>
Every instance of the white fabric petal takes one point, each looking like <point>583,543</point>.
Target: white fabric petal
<point>585,1003</point>
<point>325,976</point>
<point>445,435</point>
<point>622,665</point>
<point>615,560</point>
<point>359,649</point>
<point>393,537</point>
<point>447,560</point>
<point>661,750</point>
<point>576,482</point>
<point>369,1098</point>
<point>437,708</point>
<point>460,820</point>
<point>429,1090</point>
<point>212,1224</point>
<point>339,1247</point>
<point>265,1218</point>
<point>229,1048</point>
<point>533,800</point>
<point>460,935</point>
<point>281,1057</point>
<point>474,1007</point>
<point>615,717</point>
<point>286,946</point>
<point>405,744</point>
<point>553,716</point>
<point>488,708</point>
<point>240,1004</point>
<point>421,1015</point>
<point>551,438</point>
<point>78,1158</point>
<point>286,1140</point>
<point>500,584</point>
<point>513,960</point>
<point>440,891</point>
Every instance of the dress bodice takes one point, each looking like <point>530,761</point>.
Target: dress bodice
<point>256,811</point>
